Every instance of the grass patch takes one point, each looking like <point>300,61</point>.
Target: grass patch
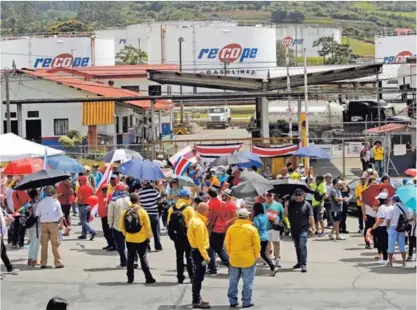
<point>242,15</point>
<point>360,47</point>
<point>311,61</point>
<point>369,6</point>
<point>318,20</point>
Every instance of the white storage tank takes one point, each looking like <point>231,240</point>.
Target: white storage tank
<point>395,48</point>
<point>302,36</point>
<point>56,51</point>
<point>210,49</point>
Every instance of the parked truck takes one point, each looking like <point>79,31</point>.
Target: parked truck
<point>330,120</point>
<point>218,117</point>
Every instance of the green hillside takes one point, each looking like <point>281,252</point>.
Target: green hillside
<point>360,20</point>
<point>359,47</point>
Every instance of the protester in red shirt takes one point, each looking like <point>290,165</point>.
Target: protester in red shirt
<point>85,192</point>
<point>218,217</point>
<point>20,198</point>
<point>231,207</point>
<point>65,195</point>
<point>103,199</point>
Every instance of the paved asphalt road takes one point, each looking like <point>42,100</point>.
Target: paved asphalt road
<point>341,275</point>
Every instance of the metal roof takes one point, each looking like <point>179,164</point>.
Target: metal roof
<point>389,71</point>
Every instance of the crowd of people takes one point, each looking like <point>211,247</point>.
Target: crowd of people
<point>203,222</point>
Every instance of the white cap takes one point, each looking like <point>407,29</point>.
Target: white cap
<point>227,191</point>
<point>382,195</point>
<point>243,213</point>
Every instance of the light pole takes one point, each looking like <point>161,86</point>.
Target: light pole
<point>180,40</point>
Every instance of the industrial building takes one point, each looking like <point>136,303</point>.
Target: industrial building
<point>122,122</point>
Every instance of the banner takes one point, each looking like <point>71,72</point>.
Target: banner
<point>278,151</point>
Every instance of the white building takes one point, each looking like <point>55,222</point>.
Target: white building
<point>46,122</point>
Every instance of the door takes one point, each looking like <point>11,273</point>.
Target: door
<point>14,127</point>
<point>34,130</point>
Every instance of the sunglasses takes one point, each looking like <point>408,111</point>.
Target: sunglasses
<point>298,195</point>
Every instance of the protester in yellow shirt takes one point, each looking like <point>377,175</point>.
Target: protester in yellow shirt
<point>181,215</point>
<point>243,245</point>
<point>379,158</point>
<point>136,227</point>
<point>358,194</point>
<point>198,237</point>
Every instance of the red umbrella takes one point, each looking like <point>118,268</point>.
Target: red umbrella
<point>369,194</point>
<point>411,172</point>
<point>24,166</point>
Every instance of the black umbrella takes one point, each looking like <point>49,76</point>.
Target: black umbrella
<point>42,178</point>
<point>251,188</point>
<point>288,186</point>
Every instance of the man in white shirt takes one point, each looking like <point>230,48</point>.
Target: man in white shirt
<point>51,218</point>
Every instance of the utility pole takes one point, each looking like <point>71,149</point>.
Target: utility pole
<point>180,40</point>
<point>287,58</point>
<point>9,122</point>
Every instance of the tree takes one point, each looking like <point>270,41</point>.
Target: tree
<point>131,55</point>
<point>295,16</point>
<point>281,61</point>
<point>278,16</point>
<point>334,53</point>
<point>69,26</point>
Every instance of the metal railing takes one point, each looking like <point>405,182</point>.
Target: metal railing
<point>344,152</point>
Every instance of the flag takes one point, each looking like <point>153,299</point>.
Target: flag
<point>209,152</point>
<point>182,165</point>
<point>187,152</point>
<point>278,151</point>
<point>104,181</point>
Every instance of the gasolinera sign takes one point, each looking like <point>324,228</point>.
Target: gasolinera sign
<point>65,60</point>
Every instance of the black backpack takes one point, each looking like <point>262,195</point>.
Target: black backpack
<point>317,195</point>
<point>131,221</point>
<point>177,228</point>
<point>403,224</point>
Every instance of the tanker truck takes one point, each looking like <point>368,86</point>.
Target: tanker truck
<point>328,120</point>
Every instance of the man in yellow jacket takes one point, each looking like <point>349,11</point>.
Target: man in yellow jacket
<point>198,237</point>
<point>379,158</point>
<point>136,227</point>
<point>243,245</point>
<point>178,219</point>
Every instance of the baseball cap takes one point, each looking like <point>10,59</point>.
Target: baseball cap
<point>120,187</point>
<point>114,177</point>
<point>396,198</point>
<point>328,175</point>
<point>184,193</point>
<point>243,213</point>
<point>227,192</point>
<point>382,195</point>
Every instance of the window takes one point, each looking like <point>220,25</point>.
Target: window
<point>33,113</point>
<point>117,125</point>
<point>61,126</point>
<point>154,90</point>
<point>131,120</point>
<point>216,110</point>
<point>12,115</point>
<point>132,88</point>
<point>125,124</point>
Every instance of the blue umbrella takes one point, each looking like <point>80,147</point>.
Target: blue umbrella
<point>64,163</point>
<point>407,194</point>
<point>254,160</point>
<point>141,170</point>
<point>312,151</point>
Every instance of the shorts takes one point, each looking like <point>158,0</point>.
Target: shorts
<point>274,235</point>
<point>393,237</point>
<point>337,215</point>
<point>318,213</point>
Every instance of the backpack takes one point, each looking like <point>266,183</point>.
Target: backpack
<point>403,224</point>
<point>131,221</point>
<point>317,195</point>
<point>176,227</point>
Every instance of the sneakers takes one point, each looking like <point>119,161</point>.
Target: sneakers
<point>150,281</point>
<point>14,271</point>
<point>409,259</point>
<point>111,249</point>
<point>320,234</point>
<point>201,305</point>
<point>249,305</point>
<point>135,266</point>
<point>296,266</point>
<point>382,262</point>
<point>340,238</point>
<point>277,264</point>
<point>368,246</point>
<point>93,235</point>
<point>274,272</point>
<point>331,237</point>
<point>303,268</point>
<point>82,237</point>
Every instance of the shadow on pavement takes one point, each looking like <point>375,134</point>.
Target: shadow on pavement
<point>25,267</point>
<point>357,260</point>
<point>186,307</point>
<point>103,269</point>
<point>96,252</point>
<point>116,283</point>
<point>393,270</point>
<point>354,249</point>
<point>162,284</point>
